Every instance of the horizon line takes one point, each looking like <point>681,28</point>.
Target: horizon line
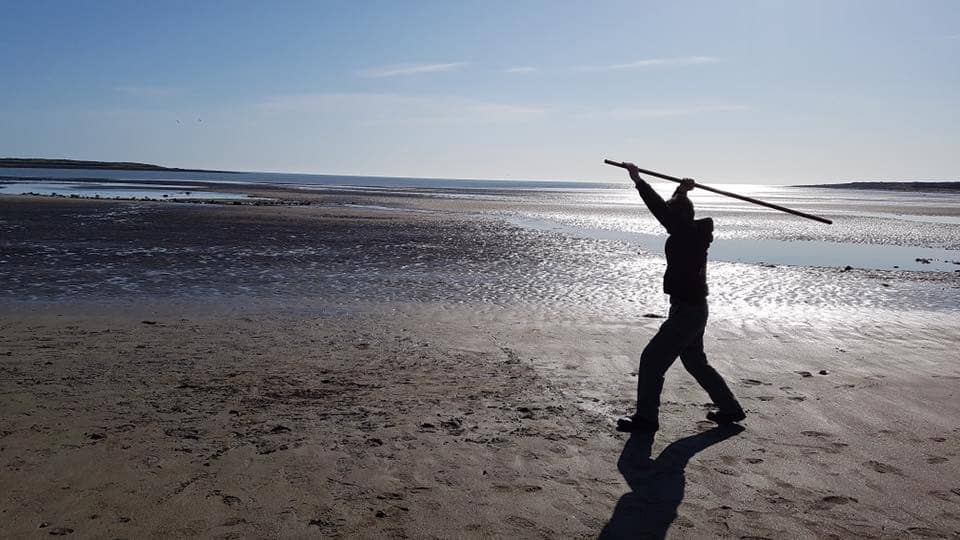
<point>161,168</point>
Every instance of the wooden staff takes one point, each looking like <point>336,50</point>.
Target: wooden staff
<point>727,193</point>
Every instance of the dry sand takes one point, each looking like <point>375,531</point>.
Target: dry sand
<point>201,417</point>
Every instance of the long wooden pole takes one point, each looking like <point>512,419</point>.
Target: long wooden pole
<point>726,193</point>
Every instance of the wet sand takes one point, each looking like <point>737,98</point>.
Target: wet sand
<point>355,372</point>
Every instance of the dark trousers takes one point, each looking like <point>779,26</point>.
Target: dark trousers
<point>680,335</point>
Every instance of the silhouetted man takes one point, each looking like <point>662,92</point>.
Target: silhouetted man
<point>682,333</point>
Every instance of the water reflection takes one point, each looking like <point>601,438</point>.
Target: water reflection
<point>767,251</point>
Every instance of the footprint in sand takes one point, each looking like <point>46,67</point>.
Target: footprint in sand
<point>933,460</point>
<point>942,495</point>
<point>324,523</point>
<point>882,467</point>
<point>521,522</point>
<point>512,357</point>
<point>753,382</point>
<point>926,532</point>
<point>830,501</point>
<point>817,434</point>
<point>753,460</point>
<point>182,433</point>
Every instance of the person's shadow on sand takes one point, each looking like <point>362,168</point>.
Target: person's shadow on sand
<point>658,485</point>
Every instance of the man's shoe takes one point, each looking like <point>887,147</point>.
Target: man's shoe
<point>636,424</point>
<point>725,417</point>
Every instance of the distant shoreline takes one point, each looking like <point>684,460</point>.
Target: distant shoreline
<point>41,163</point>
<point>44,163</point>
<point>931,187</point>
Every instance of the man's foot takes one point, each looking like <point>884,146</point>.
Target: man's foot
<point>726,417</point>
<point>636,424</point>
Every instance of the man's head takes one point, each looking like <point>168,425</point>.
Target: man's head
<point>681,207</point>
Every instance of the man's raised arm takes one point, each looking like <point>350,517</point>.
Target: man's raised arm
<point>653,200</point>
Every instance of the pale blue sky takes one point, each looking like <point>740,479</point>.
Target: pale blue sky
<point>759,92</point>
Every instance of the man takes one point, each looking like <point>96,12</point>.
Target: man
<point>682,333</point>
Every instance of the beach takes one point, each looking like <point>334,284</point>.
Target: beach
<point>380,363</point>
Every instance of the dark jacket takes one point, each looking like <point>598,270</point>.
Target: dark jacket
<point>686,249</point>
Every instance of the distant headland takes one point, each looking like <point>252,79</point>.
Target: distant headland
<point>930,187</point>
<point>41,163</point>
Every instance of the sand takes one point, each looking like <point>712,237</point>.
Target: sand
<point>301,415</point>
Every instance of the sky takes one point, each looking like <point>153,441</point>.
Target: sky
<point>768,92</point>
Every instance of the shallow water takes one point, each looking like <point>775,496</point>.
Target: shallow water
<point>283,179</point>
<point>767,251</point>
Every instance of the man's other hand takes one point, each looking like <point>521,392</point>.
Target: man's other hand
<point>634,172</point>
<point>687,184</point>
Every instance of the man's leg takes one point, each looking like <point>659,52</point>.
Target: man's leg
<point>672,338</point>
<point>695,362</point>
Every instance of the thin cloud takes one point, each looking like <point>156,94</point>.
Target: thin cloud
<point>147,91</point>
<point>521,69</point>
<point>654,62</point>
<point>408,69</point>
<point>662,112</point>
